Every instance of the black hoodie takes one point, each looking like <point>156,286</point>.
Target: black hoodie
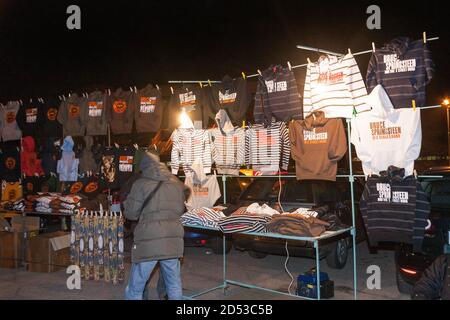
<point>233,96</point>
<point>403,68</point>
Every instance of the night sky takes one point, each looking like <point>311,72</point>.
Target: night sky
<point>124,43</point>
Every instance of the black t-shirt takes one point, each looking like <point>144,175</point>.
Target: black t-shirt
<point>192,99</point>
<point>49,119</point>
<point>109,170</point>
<point>126,158</point>
<point>10,163</point>
<point>92,187</point>
<point>31,185</point>
<point>28,118</point>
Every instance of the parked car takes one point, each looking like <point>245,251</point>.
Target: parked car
<point>409,265</point>
<point>295,194</point>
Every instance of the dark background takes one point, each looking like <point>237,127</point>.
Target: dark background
<point>132,43</point>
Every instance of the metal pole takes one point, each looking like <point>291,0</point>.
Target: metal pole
<point>224,184</point>
<point>352,181</point>
<point>448,133</point>
<point>316,246</point>
<point>318,50</point>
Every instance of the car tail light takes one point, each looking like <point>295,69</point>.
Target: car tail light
<point>202,242</point>
<point>408,271</point>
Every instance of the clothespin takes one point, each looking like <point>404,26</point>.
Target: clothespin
<point>289,66</point>
<point>131,89</point>
<point>171,90</point>
<point>424,37</point>
<point>373,46</point>
<point>136,146</point>
<point>201,84</point>
<point>414,105</point>
<point>109,92</point>
<point>116,145</point>
<point>243,124</point>
<point>135,89</point>
<point>209,82</point>
<point>349,51</point>
<point>309,61</point>
<point>157,87</point>
<point>60,99</point>
<point>243,75</point>
<point>259,72</point>
<point>415,173</point>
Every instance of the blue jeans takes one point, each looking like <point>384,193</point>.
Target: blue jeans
<point>140,273</point>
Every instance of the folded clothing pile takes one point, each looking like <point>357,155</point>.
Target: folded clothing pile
<point>203,217</point>
<point>14,206</point>
<point>297,225</point>
<point>325,214</point>
<point>30,203</point>
<point>248,219</point>
<point>264,209</point>
<point>56,203</point>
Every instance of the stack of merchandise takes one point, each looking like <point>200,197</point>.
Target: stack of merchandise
<point>97,247</point>
<point>203,217</point>
<point>14,206</point>
<point>56,203</point>
<point>297,225</point>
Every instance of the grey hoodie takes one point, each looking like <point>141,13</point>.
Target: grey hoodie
<point>159,233</point>
<point>121,110</point>
<point>10,128</point>
<point>149,110</point>
<point>72,116</point>
<point>87,161</point>
<point>96,114</point>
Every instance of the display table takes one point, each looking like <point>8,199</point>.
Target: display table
<point>314,240</point>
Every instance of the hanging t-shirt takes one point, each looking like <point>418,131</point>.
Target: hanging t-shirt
<point>110,167</point>
<point>48,119</point>
<point>28,118</point>
<point>10,129</point>
<point>205,190</point>
<point>10,163</point>
<point>149,111</point>
<point>11,191</point>
<point>31,185</point>
<point>192,100</point>
<point>126,159</point>
<point>96,114</point>
<point>121,107</point>
<point>93,186</point>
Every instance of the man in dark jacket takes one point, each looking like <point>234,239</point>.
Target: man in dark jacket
<point>435,282</point>
<point>158,237</point>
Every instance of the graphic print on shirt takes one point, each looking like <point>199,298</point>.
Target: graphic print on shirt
<point>199,191</point>
<point>384,194</point>
<point>52,113</point>
<point>74,111</point>
<point>95,109</point>
<point>126,163</point>
<point>91,187</point>
<point>273,86</point>
<point>10,163</point>
<point>227,97</point>
<point>120,106</point>
<point>76,187</point>
<point>12,194</point>
<point>188,99</point>
<point>31,115</point>
<point>10,117</point>
<point>108,169</point>
<point>311,137</point>
<point>264,139</point>
<point>395,65</point>
<point>148,104</point>
<point>381,132</point>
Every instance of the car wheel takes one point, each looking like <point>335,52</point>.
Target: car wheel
<point>216,245</point>
<point>256,254</point>
<point>403,286</point>
<point>337,257</point>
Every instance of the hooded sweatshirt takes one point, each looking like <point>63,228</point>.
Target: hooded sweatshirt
<point>10,163</point>
<point>385,136</point>
<point>277,96</point>
<point>49,156</point>
<point>49,119</point>
<point>122,107</point>
<point>205,190</point>
<point>228,145</point>
<point>87,160</point>
<point>159,233</point>
<point>28,158</point>
<point>72,116</point>
<point>318,144</point>
<point>149,110</point>
<point>29,118</point>
<point>96,114</point>
<point>192,99</point>
<point>404,68</point>
<point>335,86</point>
<point>395,209</point>
<point>10,128</point>
<point>68,165</point>
<point>231,95</point>
<point>189,145</point>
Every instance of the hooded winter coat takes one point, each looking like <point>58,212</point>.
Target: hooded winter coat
<point>318,144</point>
<point>404,68</point>
<point>87,160</point>
<point>29,161</point>
<point>159,233</point>
<point>68,165</point>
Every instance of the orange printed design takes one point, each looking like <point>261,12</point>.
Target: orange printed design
<point>91,187</point>
<point>52,113</point>
<point>120,106</point>
<point>76,187</point>
<point>10,163</point>
<point>74,111</point>
<point>10,117</point>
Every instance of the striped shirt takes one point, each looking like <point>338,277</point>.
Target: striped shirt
<point>277,96</point>
<point>228,150</point>
<point>268,149</point>
<point>244,223</point>
<point>202,217</point>
<point>395,211</point>
<point>404,69</point>
<point>335,86</point>
<point>190,145</point>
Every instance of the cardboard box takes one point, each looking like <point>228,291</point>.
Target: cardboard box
<point>11,248</point>
<point>48,252</point>
<point>30,223</point>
